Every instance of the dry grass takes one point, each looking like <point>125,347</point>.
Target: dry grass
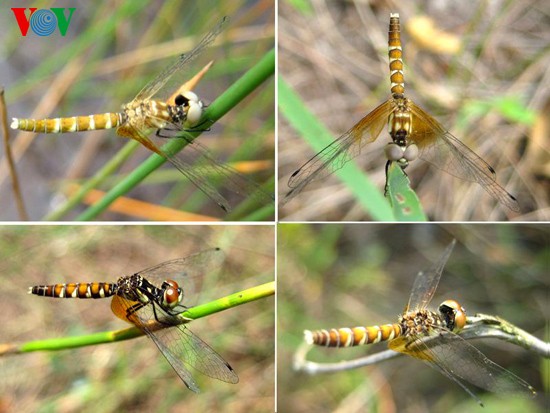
<point>335,58</point>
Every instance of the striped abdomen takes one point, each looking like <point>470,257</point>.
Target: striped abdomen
<point>72,124</point>
<point>347,337</point>
<point>75,290</point>
<point>396,57</point>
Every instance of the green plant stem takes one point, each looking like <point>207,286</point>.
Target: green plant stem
<point>101,176</point>
<point>225,102</point>
<point>199,311</point>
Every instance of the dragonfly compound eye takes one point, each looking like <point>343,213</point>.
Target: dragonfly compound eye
<point>453,314</point>
<point>393,152</point>
<point>181,100</point>
<point>172,294</point>
<point>194,113</point>
<point>193,104</point>
<point>411,152</point>
<point>401,154</point>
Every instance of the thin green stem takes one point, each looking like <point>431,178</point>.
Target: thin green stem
<point>199,311</point>
<point>225,102</point>
<point>103,174</point>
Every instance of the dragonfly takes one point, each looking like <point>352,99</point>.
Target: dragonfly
<point>414,133</point>
<point>182,111</point>
<point>153,300</point>
<point>431,337</point>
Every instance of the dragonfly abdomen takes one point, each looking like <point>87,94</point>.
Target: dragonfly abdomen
<point>396,57</point>
<point>75,290</point>
<point>72,124</point>
<point>348,337</point>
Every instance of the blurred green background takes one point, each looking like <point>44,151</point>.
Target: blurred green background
<point>131,375</point>
<point>336,275</point>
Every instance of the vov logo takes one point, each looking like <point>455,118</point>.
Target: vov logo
<point>43,22</point>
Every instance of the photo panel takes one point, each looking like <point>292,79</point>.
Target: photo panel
<point>343,276</point>
<point>173,103</point>
<point>411,112</point>
<point>219,338</point>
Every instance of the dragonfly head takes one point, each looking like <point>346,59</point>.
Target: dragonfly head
<point>193,107</point>
<point>401,154</point>
<point>172,294</point>
<point>453,314</point>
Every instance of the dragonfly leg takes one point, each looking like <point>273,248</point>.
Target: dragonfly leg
<point>133,309</point>
<point>388,163</point>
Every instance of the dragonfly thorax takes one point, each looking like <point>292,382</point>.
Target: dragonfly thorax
<point>400,122</point>
<point>151,114</point>
<point>400,127</point>
<point>132,287</point>
<point>420,322</point>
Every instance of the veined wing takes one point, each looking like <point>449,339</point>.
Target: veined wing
<point>199,180</point>
<point>460,361</point>
<point>188,272</point>
<point>205,165</point>
<point>444,151</point>
<point>178,344</point>
<point>426,282</point>
<point>342,150</point>
<point>158,82</point>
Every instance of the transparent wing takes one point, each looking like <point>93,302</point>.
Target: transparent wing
<point>341,151</point>
<point>197,165</point>
<point>178,344</point>
<point>460,361</point>
<point>200,159</point>
<point>426,282</point>
<point>158,82</point>
<point>444,151</point>
<point>186,169</point>
<point>188,272</point>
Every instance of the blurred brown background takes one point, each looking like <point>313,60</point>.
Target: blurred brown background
<point>131,375</point>
<point>481,69</point>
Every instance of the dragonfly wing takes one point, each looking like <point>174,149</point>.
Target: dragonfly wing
<point>158,82</point>
<point>195,176</point>
<point>203,163</point>
<point>341,151</point>
<point>120,307</point>
<point>461,361</point>
<point>177,365</point>
<point>180,346</point>
<point>426,282</point>
<point>188,272</point>
<point>444,151</point>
